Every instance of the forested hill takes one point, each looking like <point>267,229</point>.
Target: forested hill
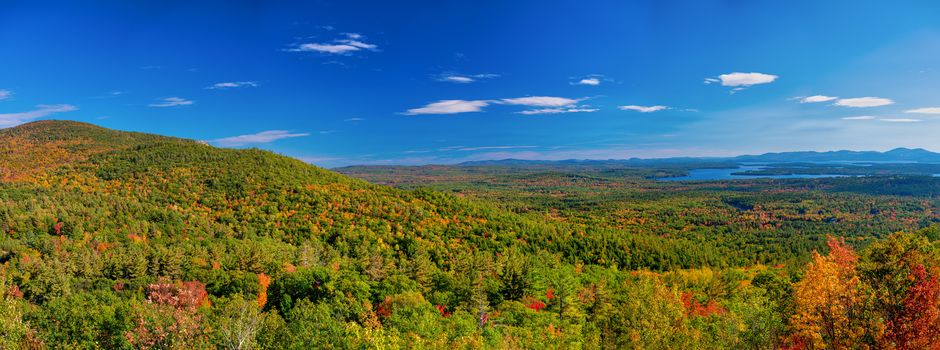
<point>120,240</point>
<point>40,146</point>
<point>126,240</point>
<point>102,228</point>
<point>168,187</point>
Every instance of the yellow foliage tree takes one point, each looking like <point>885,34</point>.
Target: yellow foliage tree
<point>829,306</point>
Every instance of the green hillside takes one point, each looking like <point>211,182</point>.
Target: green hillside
<point>123,240</point>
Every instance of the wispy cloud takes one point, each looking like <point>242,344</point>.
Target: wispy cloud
<point>316,159</point>
<point>14,119</point>
<point>581,109</point>
<point>541,101</point>
<point>883,119</point>
<point>925,110</point>
<point>643,109</point>
<point>352,42</point>
<point>112,94</point>
<point>232,84</point>
<point>172,102</point>
<point>817,99</point>
<point>460,79</point>
<point>464,78</point>
<point>355,119</point>
<point>485,148</point>
<point>5,94</point>
<point>259,138</point>
<point>450,107</point>
<point>864,102</point>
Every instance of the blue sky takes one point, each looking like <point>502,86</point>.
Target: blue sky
<point>349,82</point>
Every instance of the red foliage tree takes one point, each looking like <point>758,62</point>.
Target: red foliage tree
<point>170,318</point>
<point>443,310</point>
<point>694,308</point>
<point>918,325</point>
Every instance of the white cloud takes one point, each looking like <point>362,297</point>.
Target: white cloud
<point>744,79</point>
<point>926,110</point>
<point>5,94</point>
<point>711,80</point>
<point>350,44</point>
<point>261,137</point>
<point>588,81</point>
<point>14,119</point>
<point>860,117</point>
<point>817,98</point>
<point>232,84</point>
<point>172,102</point>
<point>355,119</point>
<point>643,109</point>
<point>861,102</point>
<point>558,110</point>
<point>899,120</point>
<point>550,105</point>
<point>541,101</point>
<point>450,107</point>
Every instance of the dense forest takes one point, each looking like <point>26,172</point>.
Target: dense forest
<point>133,241</point>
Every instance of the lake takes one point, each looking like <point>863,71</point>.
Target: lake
<point>726,174</point>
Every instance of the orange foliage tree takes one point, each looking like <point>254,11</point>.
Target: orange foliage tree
<point>829,307</point>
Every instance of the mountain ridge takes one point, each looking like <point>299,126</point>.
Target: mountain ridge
<point>900,154</point>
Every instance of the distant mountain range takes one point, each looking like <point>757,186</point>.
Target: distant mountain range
<point>900,155</point>
<point>919,155</point>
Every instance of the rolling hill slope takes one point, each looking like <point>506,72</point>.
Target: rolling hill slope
<point>169,184</point>
<point>111,239</point>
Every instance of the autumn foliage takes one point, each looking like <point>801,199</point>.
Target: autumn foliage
<point>917,326</point>
<point>890,301</point>
<point>263,282</point>
<point>695,308</point>
<point>170,318</point>
<point>829,306</point>
<point>124,240</point>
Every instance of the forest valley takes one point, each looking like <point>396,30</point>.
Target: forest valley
<point>125,240</point>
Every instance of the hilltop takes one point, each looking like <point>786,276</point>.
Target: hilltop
<point>38,146</point>
<point>244,192</point>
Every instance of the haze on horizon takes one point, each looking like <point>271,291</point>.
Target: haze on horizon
<point>429,82</point>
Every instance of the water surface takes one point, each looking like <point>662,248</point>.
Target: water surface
<point>726,174</point>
